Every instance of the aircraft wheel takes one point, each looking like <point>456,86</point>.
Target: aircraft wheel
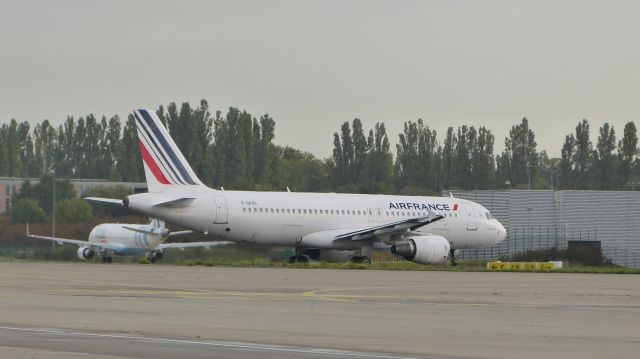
<point>361,259</point>
<point>298,259</point>
<point>109,260</point>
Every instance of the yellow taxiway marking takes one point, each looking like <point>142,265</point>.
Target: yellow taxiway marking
<point>328,295</point>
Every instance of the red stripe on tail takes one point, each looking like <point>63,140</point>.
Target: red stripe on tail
<point>146,156</point>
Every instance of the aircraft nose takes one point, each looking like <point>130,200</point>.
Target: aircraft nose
<point>502,233</point>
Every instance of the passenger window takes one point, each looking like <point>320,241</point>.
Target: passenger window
<point>244,209</point>
<point>299,211</point>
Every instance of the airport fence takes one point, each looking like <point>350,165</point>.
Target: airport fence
<point>536,238</point>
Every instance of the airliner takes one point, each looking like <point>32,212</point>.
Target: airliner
<point>109,239</point>
<point>425,230</point>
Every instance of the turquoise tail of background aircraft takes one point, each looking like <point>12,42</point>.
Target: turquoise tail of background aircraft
<point>420,229</point>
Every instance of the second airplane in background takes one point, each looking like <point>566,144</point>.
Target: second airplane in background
<point>109,239</point>
<point>420,229</point>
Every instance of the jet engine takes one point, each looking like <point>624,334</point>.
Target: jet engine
<point>85,253</point>
<point>423,249</point>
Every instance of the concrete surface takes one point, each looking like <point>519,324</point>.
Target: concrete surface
<point>130,311</point>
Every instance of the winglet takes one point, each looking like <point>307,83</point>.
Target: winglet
<point>451,195</point>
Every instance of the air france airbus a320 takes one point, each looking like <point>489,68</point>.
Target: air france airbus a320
<point>420,229</point>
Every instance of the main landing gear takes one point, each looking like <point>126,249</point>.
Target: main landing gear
<point>360,259</point>
<point>298,258</point>
<point>365,253</point>
<point>452,255</point>
<point>106,259</point>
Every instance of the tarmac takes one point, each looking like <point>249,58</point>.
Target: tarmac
<point>85,310</point>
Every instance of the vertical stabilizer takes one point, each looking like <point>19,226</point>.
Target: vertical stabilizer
<point>164,165</point>
<point>156,223</point>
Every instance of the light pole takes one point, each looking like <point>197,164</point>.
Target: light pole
<point>529,209</point>
<point>53,205</point>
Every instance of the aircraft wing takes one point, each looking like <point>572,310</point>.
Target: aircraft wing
<point>76,242</point>
<point>193,245</point>
<point>60,240</point>
<point>397,227</point>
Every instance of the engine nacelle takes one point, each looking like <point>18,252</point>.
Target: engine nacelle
<point>423,249</point>
<point>85,253</point>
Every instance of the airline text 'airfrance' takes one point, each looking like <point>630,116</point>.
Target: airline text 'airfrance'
<point>418,206</point>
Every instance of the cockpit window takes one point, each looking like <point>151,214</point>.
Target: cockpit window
<point>487,215</point>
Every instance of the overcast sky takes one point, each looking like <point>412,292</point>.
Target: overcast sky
<point>315,64</point>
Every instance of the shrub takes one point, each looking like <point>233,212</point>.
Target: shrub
<point>73,210</point>
<point>27,210</point>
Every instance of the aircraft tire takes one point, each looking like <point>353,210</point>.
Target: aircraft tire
<point>298,259</point>
<point>360,259</point>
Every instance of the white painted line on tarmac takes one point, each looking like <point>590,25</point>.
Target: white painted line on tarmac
<point>237,345</point>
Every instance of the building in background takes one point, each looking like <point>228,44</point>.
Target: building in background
<point>548,219</point>
<point>10,186</point>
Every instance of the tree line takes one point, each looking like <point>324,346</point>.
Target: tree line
<point>235,149</point>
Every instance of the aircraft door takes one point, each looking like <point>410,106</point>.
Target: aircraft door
<point>472,219</point>
<point>370,214</point>
<point>222,211</point>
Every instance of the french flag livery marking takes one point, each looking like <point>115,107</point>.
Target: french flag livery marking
<point>158,153</point>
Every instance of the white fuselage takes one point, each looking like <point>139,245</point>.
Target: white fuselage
<point>127,241</point>
<point>287,218</point>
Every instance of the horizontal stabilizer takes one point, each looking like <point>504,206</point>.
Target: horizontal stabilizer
<point>104,200</point>
<point>180,233</point>
<point>163,232</point>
